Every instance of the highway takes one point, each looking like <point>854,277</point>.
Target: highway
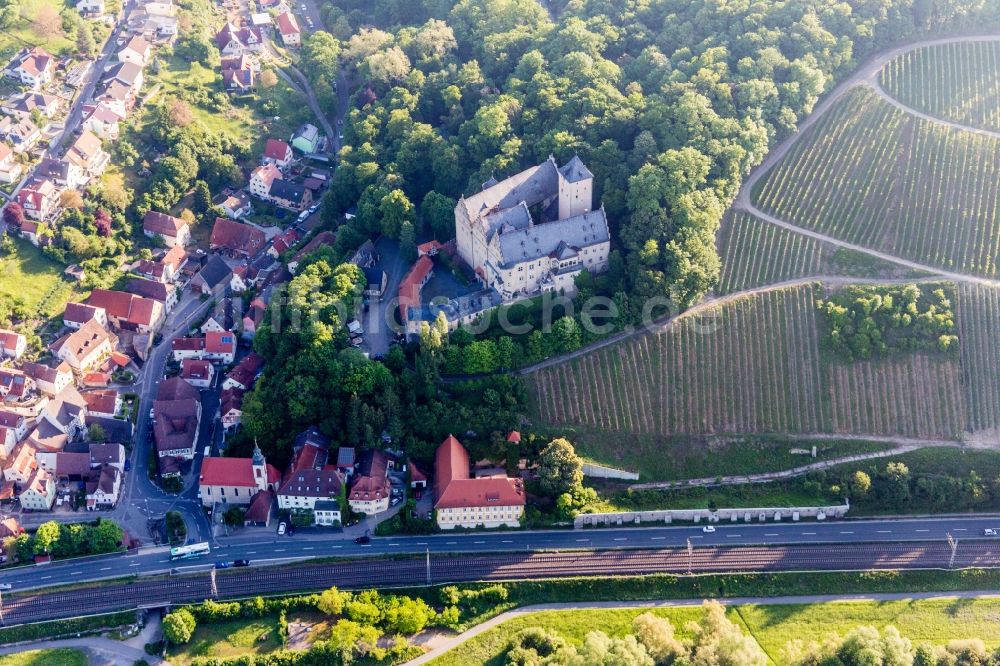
<point>304,546</point>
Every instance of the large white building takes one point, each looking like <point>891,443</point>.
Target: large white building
<point>520,256</point>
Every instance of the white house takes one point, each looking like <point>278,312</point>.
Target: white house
<point>12,345</point>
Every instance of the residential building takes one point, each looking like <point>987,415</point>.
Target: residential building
<point>117,96</point>
<point>216,346</point>
<point>77,314</point>
<point>126,73</point>
<point>376,282</point>
<point>239,74</point>
<point>245,373</point>
<point>40,200</point>
<point>236,239</point>
<point>137,51</point>
<point>234,40</point>
<point>39,493</point>
<point>197,373</point>
<point>289,31</point>
<point>90,8</point>
<point>278,153</point>
<point>309,479</point>
<point>107,453</point>
<point>15,386</point>
<point>86,348</point>
<point>21,133</point>
<point>345,460</point>
<point>103,120</point>
<point>236,480</point>
<point>306,139</point>
<point>235,205</point>
<point>103,488</point>
<point>165,269</point>
<point>62,172</point>
<point>87,154</point>
<point>128,311</point>
<point>463,501</point>
<point>289,195</point>
<point>262,178</point>
<point>213,278</point>
<point>231,408</point>
<point>10,168</point>
<point>107,403</point>
<point>158,291</point>
<point>12,344</point>
<point>50,381</point>
<point>253,318</point>
<point>173,230</point>
<point>519,257</point>
<point>24,105</point>
<point>176,418</point>
<point>9,527</point>
<point>20,464</point>
<point>284,242</point>
<point>33,67</point>
<point>371,488</point>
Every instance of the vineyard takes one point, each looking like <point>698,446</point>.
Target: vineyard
<point>978,310</point>
<point>755,253</point>
<point>958,82</point>
<point>872,175</point>
<point>755,365</point>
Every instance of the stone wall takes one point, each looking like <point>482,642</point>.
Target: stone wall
<point>668,516</point>
<point>596,471</point>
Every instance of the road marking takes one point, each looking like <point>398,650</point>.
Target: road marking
<point>960,529</point>
<point>279,550</point>
<point>336,546</point>
<point>134,564</point>
<point>657,538</point>
<point>621,539</point>
<point>771,534</point>
<point>366,545</point>
<point>478,542</point>
<point>393,544</point>
<point>75,573</point>
<point>734,535</point>
<point>421,543</point>
<point>251,552</point>
<point>106,569</point>
<point>808,534</point>
<point>450,543</point>
<point>847,532</point>
<point>506,541</point>
<point>582,540</point>
<point>923,530</point>
<point>46,577</point>
<point>885,531</point>
<point>308,548</point>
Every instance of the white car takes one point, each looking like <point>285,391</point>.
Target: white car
<point>708,529</point>
<point>281,528</point>
<point>5,586</point>
<point>989,531</point>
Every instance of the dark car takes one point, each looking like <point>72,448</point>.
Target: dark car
<point>241,563</point>
<point>222,565</point>
<point>363,539</point>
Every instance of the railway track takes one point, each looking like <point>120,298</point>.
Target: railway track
<point>305,577</point>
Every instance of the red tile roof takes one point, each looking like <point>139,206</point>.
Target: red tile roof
<point>101,401</point>
<point>413,282</point>
<point>160,223</point>
<point>220,342</point>
<point>454,489</point>
<point>260,507</point>
<point>233,472</point>
<point>188,344</point>
<point>79,313</point>
<point>287,25</point>
<point>236,237</point>
<point>277,149</point>
<point>195,369</point>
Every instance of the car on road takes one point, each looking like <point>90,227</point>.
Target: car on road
<point>282,527</point>
<point>989,531</point>
<point>708,529</point>
<point>363,539</point>
<point>5,586</point>
<point>395,500</point>
<point>222,565</point>
<point>241,563</point>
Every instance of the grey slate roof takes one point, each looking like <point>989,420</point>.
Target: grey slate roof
<point>531,186</point>
<point>574,171</point>
<point>215,271</point>
<point>542,240</point>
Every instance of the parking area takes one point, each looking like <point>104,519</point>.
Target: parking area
<point>379,320</point>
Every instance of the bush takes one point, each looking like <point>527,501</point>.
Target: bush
<point>179,626</point>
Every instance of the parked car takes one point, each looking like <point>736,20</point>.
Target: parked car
<point>363,539</point>
<point>708,529</point>
<point>241,563</point>
<point>282,527</point>
<point>395,500</point>
<point>989,531</point>
<point>5,586</point>
<point>222,565</point>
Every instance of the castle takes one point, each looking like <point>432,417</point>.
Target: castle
<point>499,238</point>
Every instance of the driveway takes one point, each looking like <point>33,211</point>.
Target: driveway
<point>379,321</point>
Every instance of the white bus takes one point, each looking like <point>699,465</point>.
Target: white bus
<point>187,552</point>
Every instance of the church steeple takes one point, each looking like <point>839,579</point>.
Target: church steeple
<point>259,465</point>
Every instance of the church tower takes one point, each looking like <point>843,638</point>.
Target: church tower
<point>259,466</point>
<point>576,189</point>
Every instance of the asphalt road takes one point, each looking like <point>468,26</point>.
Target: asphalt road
<point>306,546</point>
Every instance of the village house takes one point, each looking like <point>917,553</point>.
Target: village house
<point>262,178</point>
<point>9,527</point>
<point>117,96</point>
<point>215,346</point>
<point>231,408</point>
<point>61,420</point>
<point>12,344</point>
<point>10,168</point>
<point>236,239</point>
<point>245,373</point>
<point>87,154</point>
<point>158,291</point>
<point>306,139</point>
<point>309,479</point>
<point>463,501</point>
<point>15,386</point>
<point>278,153</point>
<point>239,74</point>
<point>289,195</point>
<point>62,172</point>
<point>197,373</point>
<point>103,120</point>
<point>165,269</point>
<point>77,314</point>
<point>284,242</point>
<point>107,403</point>
<point>289,31</point>
<point>235,205</point>
<point>39,492</point>
<point>508,250</point>
<point>33,67</point>
<point>86,348</point>
<point>103,488</point>
<point>90,8</point>
<point>50,381</point>
<point>20,464</point>
<point>254,317</point>
<point>346,457</point>
<point>176,418</point>
<point>127,74</point>
<point>21,133</point>
<point>173,230</point>
<point>137,51</point>
<point>370,490</point>
<point>107,453</point>
<point>40,200</point>
<point>13,428</point>
<point>128,311</point>
<point>236,480</point>
<point>213,278</point>
<point>24,105</point>
<point>233,40</point>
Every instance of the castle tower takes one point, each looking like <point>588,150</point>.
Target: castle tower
<point>259,466</point>
<point>576,189</point>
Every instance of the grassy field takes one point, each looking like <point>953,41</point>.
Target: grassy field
<point>229,639</point>
<point>60,657</point>
<point>22,33</point>
<point>751,365</point>
<point>958,82</point>
<point>773,626</point>
<point>755,253</point>
<point>29,275</point>
<point>870,174</point>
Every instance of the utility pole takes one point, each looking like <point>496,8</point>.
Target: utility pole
<point>428,552</point>
<point>2,620</point>
<point>215,590</point>
<point>690,549</point>
<point>953,544</point>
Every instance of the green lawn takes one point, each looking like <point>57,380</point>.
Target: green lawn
<point>60,657</point>
<point>669,458</point>
<point>22,34</point>
<point>229,639</point>
<point>935,621</point>
<point>29,275</point>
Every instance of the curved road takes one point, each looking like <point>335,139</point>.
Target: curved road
<point>866,74</point>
